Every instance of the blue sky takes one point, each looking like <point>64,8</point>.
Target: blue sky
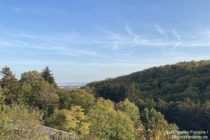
<point>87,40</point>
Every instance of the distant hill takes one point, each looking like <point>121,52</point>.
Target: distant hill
<point>72,85</point>
<point>180,91</point>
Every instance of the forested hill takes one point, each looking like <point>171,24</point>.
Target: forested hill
<point>180,91</point>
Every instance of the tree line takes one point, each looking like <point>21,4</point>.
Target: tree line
<point>36,100</point>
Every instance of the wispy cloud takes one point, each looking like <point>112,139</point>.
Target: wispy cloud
<point>132,39</point>
<point>166,33</point>
<point>77,44</point>
<point>159,29</point>
<point>177,37</point>
<point>57,44</point>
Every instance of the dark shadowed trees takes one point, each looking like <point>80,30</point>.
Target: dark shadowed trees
<point>48,76</point>
<point>9,85</point>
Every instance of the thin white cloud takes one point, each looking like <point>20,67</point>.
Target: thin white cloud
<point>178,36</point>
<point>77,44</point>
<point>159,29</point>
<point>61,46</point>
<point>116,40</point>
<point>166,33</point>
<point>131,32</point>
<point>135,37</point>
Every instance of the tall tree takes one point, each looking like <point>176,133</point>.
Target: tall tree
<point>35,91</point>
<point>9,85</point>
<point>48,76</point>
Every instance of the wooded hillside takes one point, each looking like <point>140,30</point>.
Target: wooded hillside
<point>180,91</point>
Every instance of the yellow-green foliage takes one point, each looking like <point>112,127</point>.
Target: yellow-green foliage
<point>21,123</point>
<point>108,124</point>
<point>130,109</point>
<point>73,121</point>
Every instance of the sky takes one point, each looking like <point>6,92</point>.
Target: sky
<point>89,40</point>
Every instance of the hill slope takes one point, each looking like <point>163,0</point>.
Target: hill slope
<point>180,91</point>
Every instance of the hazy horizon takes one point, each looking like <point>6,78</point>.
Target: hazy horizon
<point>84,41</point>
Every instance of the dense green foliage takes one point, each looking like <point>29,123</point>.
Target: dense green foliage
<point>33,101</point>
<point>181,92</point>
<point>70,98</point>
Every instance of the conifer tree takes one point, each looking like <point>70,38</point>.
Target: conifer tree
<point>48,76</point>
<point>9,85</point>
